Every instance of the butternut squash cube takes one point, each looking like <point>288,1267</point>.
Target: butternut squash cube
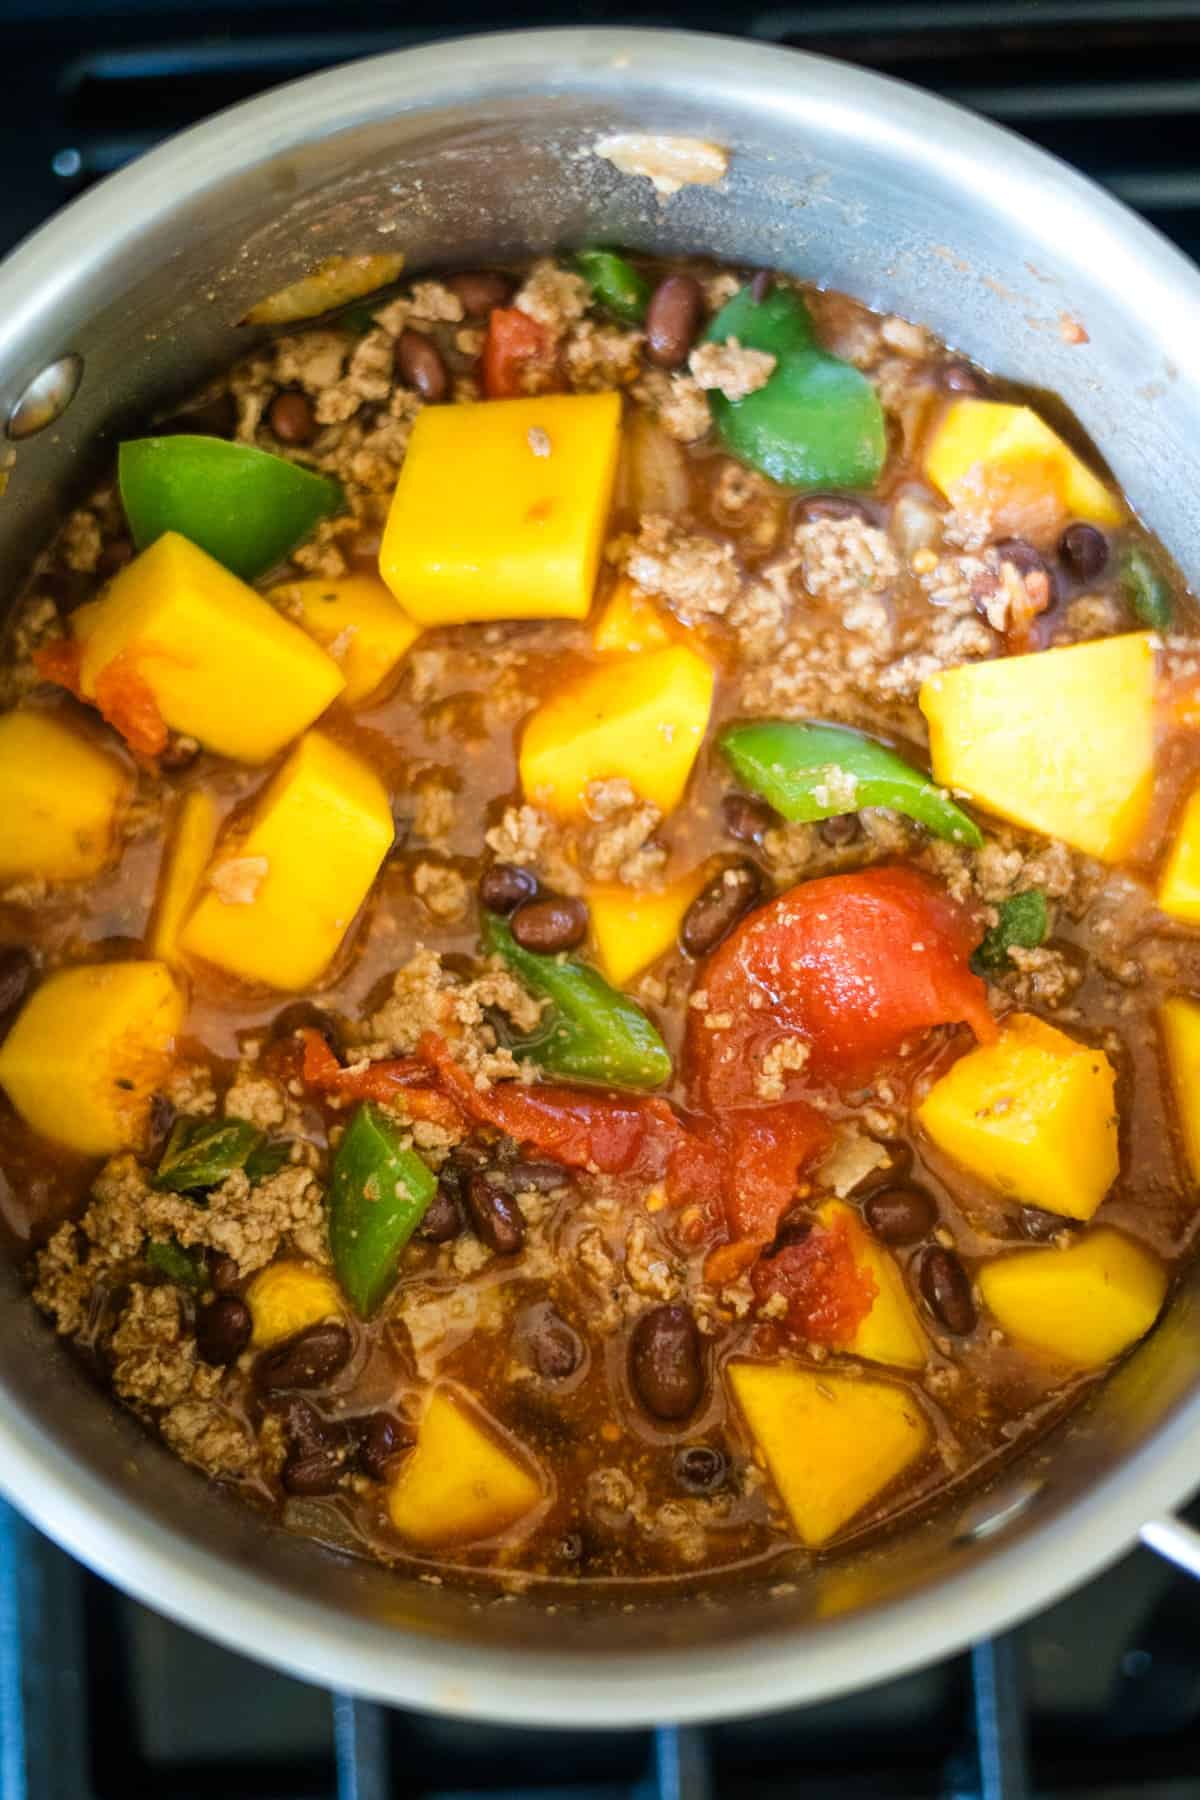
<point>890,1332</point>
<point>459,1484</point>
<point>1081,1306</point>
<point>60,796</point>
<point>357,621</point>
<point>1181,1035</point>
<point>983,448</point>
<point>500,509</point>
<point>88,1050</point>
<point>633,928</point>
<point>630,621</point>
<point>1032,1115</point>
<point>185,859</point>
<point>1179,889</point>
<point>287,1297</point>
<point>641,717</point>
<point>830,1443</point>
<point>281,894</point>
<point>1061,741</point>
<point>222,664</point>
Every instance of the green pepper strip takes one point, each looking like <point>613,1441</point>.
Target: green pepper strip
<point>378,1194</point>
<point>1024,921</point>
<point>177,1264</point>
<point>818,771</point>
<point>1149,594</point>
<point>817,422</point>
<point>590,1031</point>
<point>202,1153</point>
<point>247,508</point>
<point>615,284</point>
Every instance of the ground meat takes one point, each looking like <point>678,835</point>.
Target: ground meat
<point>743,500</point>
<point>442,891</point>
<point>844,559</point>
<point>554,297</point>
<point>729,367</point>
<point>34,623</point>
<point>153,1361</point>
<point>208,1436</point>
<point>647,1269</point>
<point>433,302</point>
<point>699,577</point>
<point>1043,976</point>
<point>595,1259</point>
<point>519,836</point>
<point>1091,616</point>
<point>312,360</point>
<point>619,847</point>
<point>368,377</point>
<point>261,1101</point>
<point>600,357</point>
<point>426,997</point>
<point>720,288</point>
<point>189,1088</point>
<point>81,541</point>
<point>435,812</point>
<point>786,1056</point>
<point>64,1285</point>
<point>677,401</point>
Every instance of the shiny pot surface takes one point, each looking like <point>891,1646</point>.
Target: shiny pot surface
<point>469,152</point>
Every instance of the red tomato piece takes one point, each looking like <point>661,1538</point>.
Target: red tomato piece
<point>59,661</point>
<point>517,354</point>
<point>769,1146</point>
<point>853,965</point>
<point>402,1081</point>
<point>125,698</point>
<point>828,1294</point>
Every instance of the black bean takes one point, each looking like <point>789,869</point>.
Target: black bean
<point>313,1472</point>
<point>16,973</point>
<point>305,1429</point>
<point>443,1215</point>
<point>961,378</point>
<point>114,556</point>
<point>665,1369</point>
<point>718,907</point>
<point>291,418</point>
<point>308,1360</point>
<point>1043,1227</point>
<point>302,1015</point>
<point>558,922</point>
<point>212,418</point>
<point>1026,560</point>
<point>379,1436</point>
<point>495,1215</point>
<point>790,1231</point>
<point>673,319</point>
<point>551,1346</point>
<point>699,1468</point>
<point>479,290</point>
<point>947,1290</point>
<point>419,365</point>
<point>901,1215</point>
<point>747,819</point>
<point>1084,550</point>
<point>505,886</point>
<point>830,506</point>
<point>761,286</point>
<point>222,1330</point>
<point>223,1272</point>
<point>543,1177</point>
<point>842,829</point>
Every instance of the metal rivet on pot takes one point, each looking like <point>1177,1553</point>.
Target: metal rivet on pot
<point>47,397</point>
<point>995,1512</point>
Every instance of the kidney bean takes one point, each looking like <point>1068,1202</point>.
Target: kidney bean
<point>443,1215</point>
<point>665,1362</point>
<point>1084,550</point>
<point>947,1290</point>
<point>495,1215</point>
<point>380,1436</point>
<point>223,1272</point>
<point>961,378</point>
<point>901,1215</point>
<point>699,1468</point>
<point>842,829</point>
<point>212,418</point>
<point>505,886</point>
<point>479,290</point>
<point>312,1473</point>
<point>1043,1227</point>
<point>222,1330</point>
<point>16,973</point>
<point>308,1360</point>
<point>291,418</point>
<point>419,365</point>
<point>718,907</point>
<point>558,922</point>
<point>830,506</point>
<point>542,1177</point>
<point>673,319</point>
<point>552,1347</point>
<point>747,819</point>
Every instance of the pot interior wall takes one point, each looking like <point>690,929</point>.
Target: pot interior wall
<point>147,280</point>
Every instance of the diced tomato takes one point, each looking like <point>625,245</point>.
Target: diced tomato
<point>518,356</point>
<point>853,965</point>
<point>769,1146</point>
<point>828,1294</point>
<point>59,661</point>
<point>125,698</point>
<point>400,1080</point>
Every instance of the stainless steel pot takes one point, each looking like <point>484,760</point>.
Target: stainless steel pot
<point>469,151</point>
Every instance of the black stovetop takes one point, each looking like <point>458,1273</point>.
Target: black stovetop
<point>1100,1695</point>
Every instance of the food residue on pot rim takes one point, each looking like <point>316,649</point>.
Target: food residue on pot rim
<point>670,163</point>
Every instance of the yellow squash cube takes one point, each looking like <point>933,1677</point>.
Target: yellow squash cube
<point>88,1050</point>
<point>630,621</point>
<point>1032,1115</point>
<point>184,861</point>
<point>459,1484</point>
<point>984,447</point>
<point>633,928</point>
<point>830,1443</point>
<point>641,717</point>
<point>60,797</point>
<point>890,1332</point>
<point>500,509</point>
<point>1061,741</point>
<point>222,664</point>
<point>1179,889</point>
<point>1081,1306</point>
<point>357,621</point>
<point>1181,1035</point>
<point>281,894</point>
<point>287,1297</point>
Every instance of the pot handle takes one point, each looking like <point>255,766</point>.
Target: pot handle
<point>1171,1538</point>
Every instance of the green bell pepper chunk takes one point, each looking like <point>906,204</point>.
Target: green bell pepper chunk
<point>247,508</point>
<point>202,1153</point>
<point>811,772</point>
<point>1149,594</point>
<point>615,284</point>
<point>267,1158</point>
<point>181,1266</point>
<point>378,1194</point>
<point>590,1031</point>
<point>817,422</point>
<point>1024,921</point>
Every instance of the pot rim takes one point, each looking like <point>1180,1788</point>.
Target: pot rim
<point>172,1572</point>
